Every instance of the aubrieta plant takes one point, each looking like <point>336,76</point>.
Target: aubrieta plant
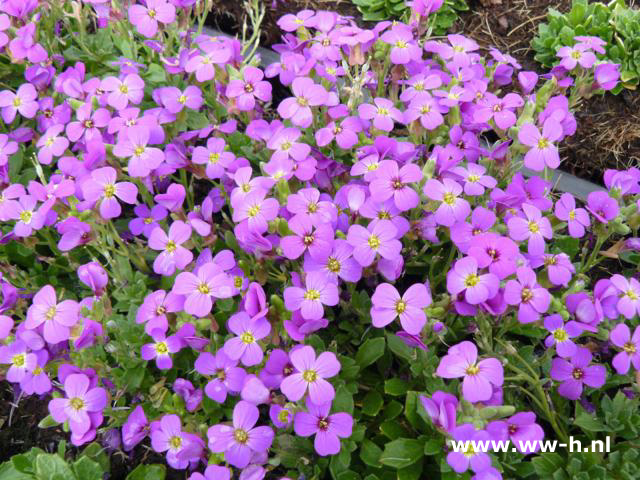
<point>334,283</point>
<point>616,26</point>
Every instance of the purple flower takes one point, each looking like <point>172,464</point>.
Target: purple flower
<point>404,48</point>
<point>318,241</point>
<point>81,401</point>
<point>153,310</point>
<point>519,429</point>
<point>378,238</point>
<point>629,295</point>
<point>251,86</point>
<point>213,472</point>
<point>307,94</point>
<point>88,123</point>
<point>501,110</point>
<point>21,362</point>
<point>479,378</point>
<point>244,346</point>
<point>121,92</point>
<point>192,396</point>
<point>102,187</point>
<point>561,335</point>
<point>133,144</point>
<point>310,373</point>
<point>382,113</point>
<point>464,277</point>
<point>606,75</point>
<point>387,305</point>
<point>478,461</point>
<point>173,255</point>
<point>161,349</point>
<point>256,211</point>
<point>51,144</point>
<point>319,290</point>
<point>307,202</point>
<point>534,228</point>
<point>328,429</point>
<point>57,318</point>
<point>559,267</point>
<point>339,263</point>
<point>452,207</point>
<point>175,100</point>
<point>146,18</point>
<point>167,436</point>
<point>147,219</point>
<point>228,377</point>
<point>475,180</point>
<point>392,181</point>
<point>577,218</point>
<point>214,157</point>
<point>441,407</point>
<point>576,372</point>
<point>427,109</point>
<point>242,440</point>
<point>24,102</point>
<point>543,153</point>
<point>7,148</point>
<point>621,337</point>
<point>344,132</point>
<point>531,298</point>
<point>602,206</point>
<point>135,429</point>
<point>209,283</point>
<point>93,276</point>
<point>577,55</point>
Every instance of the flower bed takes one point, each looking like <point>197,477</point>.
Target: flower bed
<point>338,283</point>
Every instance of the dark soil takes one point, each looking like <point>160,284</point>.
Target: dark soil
<point>608,135</point>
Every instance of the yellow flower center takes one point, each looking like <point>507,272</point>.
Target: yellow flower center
<point>449,198</point>
<point>18,359</point>
<point>401,306</point>
<point>533,227</point>
<point>51,312</point>
<point>214,157</point>
<point>26,216</point>
<point>543,143</point>
<point>572,215</point>
<point>148,220</point>
<point>161,348</point>
<point>203,288</point>
<point>312,208</point>
<point>561,335</point>
<point>138,151</point>
<point>247,338</point>
<point>310,376</point>
<point>76,403</point>
<point>152,14</point>
<point>237,282</point>
<point>526,295</point>
<point>253,211</point>
<point>383,111</point>
<point>303,102</point>
<point>175,442</point>
<point>109,190</point>
<point>401,44</point>
<point>333,265</point>
<point>171,246</point>
<point>471,280</point>
<point>473,178</point>
<point>472,370</point>
<point>632,294</point>
<point>312,294</point>
<point>124,88</point>
<point>283,416</point>
<point>629,347</point>
<point>240,436</point>
<point>374,242</point>
<point>182,99</point>
<point>17,102</point>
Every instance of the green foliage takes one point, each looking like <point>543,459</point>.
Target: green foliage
<point>614,23</point>
<point>440,21</point>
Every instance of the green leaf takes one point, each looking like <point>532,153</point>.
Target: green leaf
<point>547,464</point>
<point>401,453</point>
<point>22,463</point>
<point>87,469</point>
<point>588,423</point>
<point>395,387</point>
<point>370,351</point>
<point>433,447</point>
<point>148,472</point>
<point>370,453</point>
<point>49,465</point>
<point>372,403</point>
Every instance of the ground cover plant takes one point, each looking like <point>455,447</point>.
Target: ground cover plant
<point>332,284</point>
<point>616,24</point>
